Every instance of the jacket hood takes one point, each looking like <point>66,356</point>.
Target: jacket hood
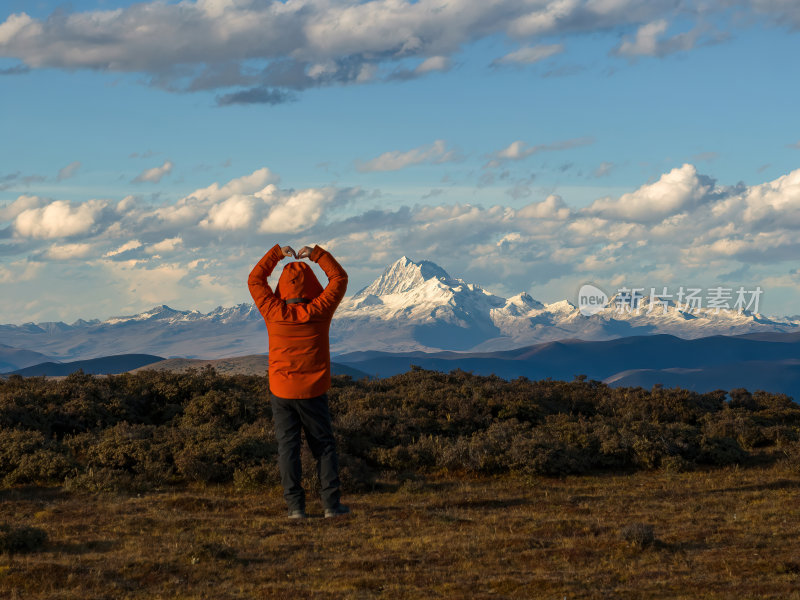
<point>298,281</point>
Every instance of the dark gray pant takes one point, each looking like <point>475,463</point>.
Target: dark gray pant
<point>313,416</point>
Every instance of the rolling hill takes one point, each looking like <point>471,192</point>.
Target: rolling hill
<point>771,362</point>
<point>106,365</point>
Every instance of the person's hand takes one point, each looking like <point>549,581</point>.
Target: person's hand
<point>305,252</point>
<point>289,251</point>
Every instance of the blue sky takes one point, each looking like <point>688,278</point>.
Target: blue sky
<point>153,151</point>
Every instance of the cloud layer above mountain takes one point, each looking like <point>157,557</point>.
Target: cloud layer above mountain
<point>266,51</point>
<point>682,226</point>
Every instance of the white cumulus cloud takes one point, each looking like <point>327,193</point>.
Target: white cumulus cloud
<point>649,41</point>
<point>435,153</point>
<point>14,25</point>
<point>552,207</point>
<point>433,63</point>
<point>21,204</point>
<point>680,189</point>
<point>131,245</point>
<point>155,174</point>
<point>247,184</point>
<point>646,39</point>
<point>69,251</point>
<point>246,204</point>
<point>518,149</point>
<point>58,219</point>
<point>778,200</point>
<point>236,212</point>
<point>297,212</point>
<point>165,245</point>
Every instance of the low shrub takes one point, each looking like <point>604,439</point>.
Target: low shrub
<point>257,477</point>
<point>150,429</point>
<point>721,451</point>
<point>640,535</point>
<point>791,457</point>
<point>21,540</point>
<point>26,457</point>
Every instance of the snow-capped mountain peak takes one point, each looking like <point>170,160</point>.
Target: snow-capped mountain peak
<point>423,292</point>
<point>403,275</point>
<point>162,312</point>
<point>525,302</point>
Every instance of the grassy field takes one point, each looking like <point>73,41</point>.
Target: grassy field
<point>164,485</point>
<point>723,533</point>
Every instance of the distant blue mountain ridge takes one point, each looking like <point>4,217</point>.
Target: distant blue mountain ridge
<point>760,361</point>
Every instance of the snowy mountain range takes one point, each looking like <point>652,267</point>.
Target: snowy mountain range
<point>412,306</point>
<point>418,306</point>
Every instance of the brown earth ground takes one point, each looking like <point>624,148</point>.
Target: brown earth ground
<point>253,364</point>
<point>726,533</point>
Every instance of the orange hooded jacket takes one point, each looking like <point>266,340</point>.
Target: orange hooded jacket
<point>298,316</point>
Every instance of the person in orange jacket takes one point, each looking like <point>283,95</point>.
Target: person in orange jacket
<point>298,317</point>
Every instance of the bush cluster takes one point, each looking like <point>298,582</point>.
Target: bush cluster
<point>21,540</point>
<point>149,429</point>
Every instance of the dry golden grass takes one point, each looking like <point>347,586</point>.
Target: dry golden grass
<point>726,533</point>
<point>255,364</point>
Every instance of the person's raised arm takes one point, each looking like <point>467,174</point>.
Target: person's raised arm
<point>262,294</point>
<point>333,293</point>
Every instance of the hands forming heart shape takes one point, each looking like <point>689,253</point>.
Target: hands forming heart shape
<point>305,252</point>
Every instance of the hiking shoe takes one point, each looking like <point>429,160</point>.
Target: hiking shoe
<point>297,514</point>
<point>337,511</point>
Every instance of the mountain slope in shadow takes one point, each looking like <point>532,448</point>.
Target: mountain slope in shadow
<point>106,365</point>
<point>765,361</point>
